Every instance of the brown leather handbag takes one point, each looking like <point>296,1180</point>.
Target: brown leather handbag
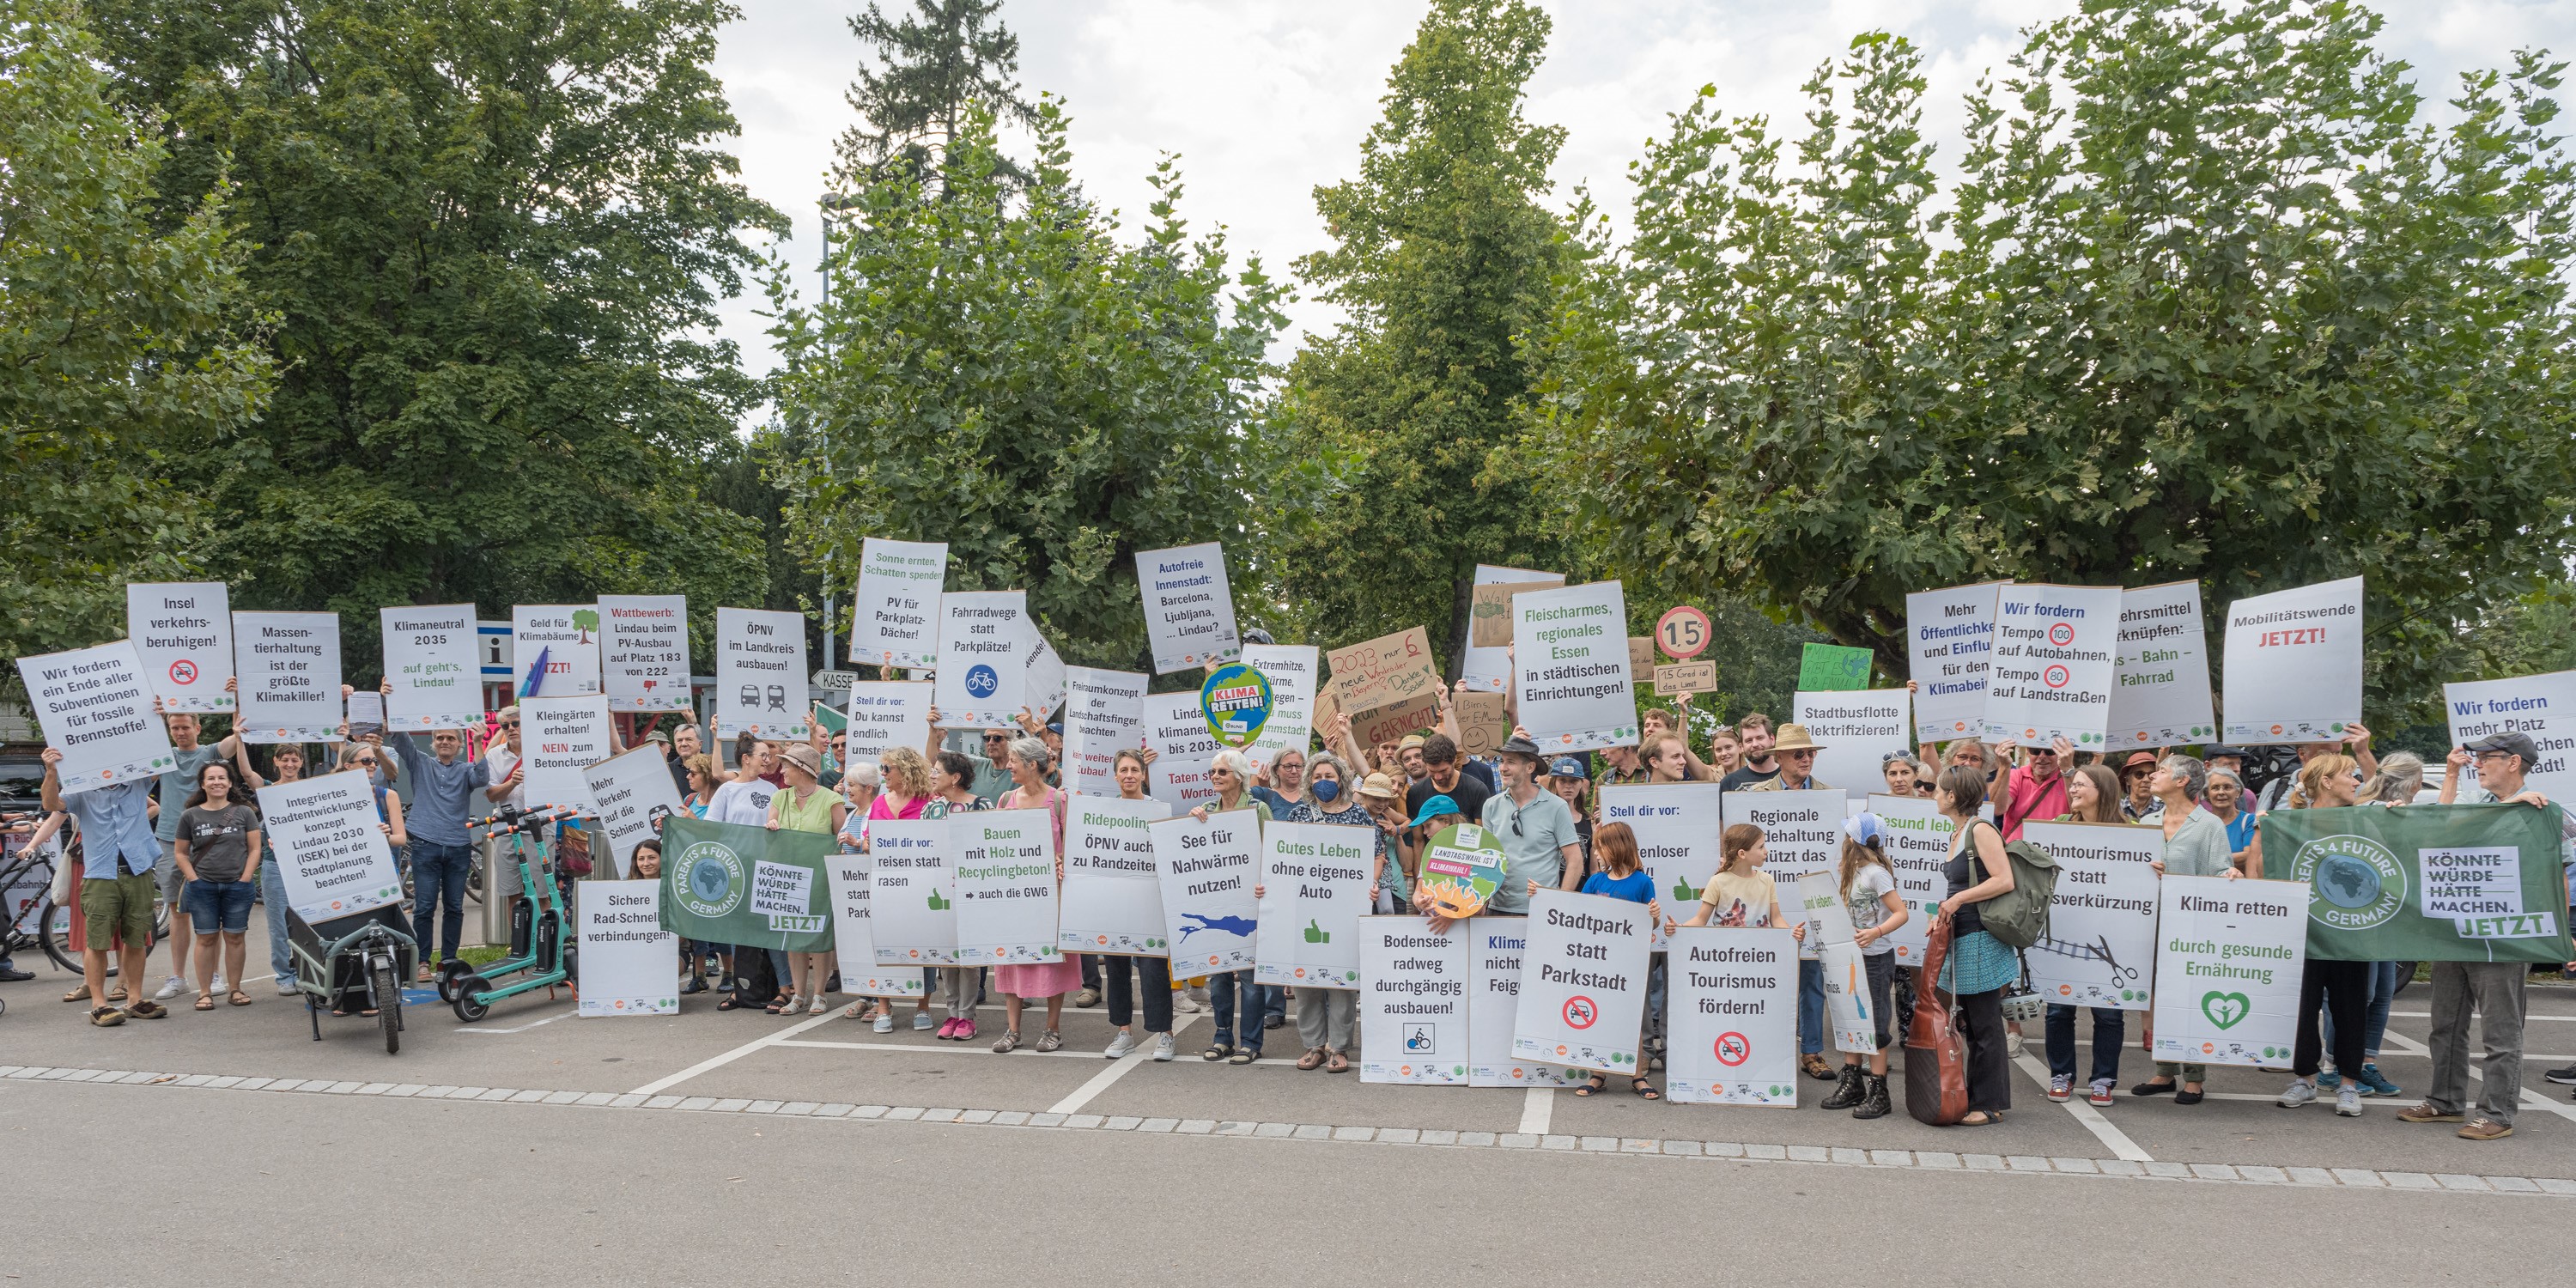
<point>1936,1057</point>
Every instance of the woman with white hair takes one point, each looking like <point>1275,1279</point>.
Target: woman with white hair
<point>1328,1018</point>
<point>1029,761</point>
<point>1236,999</point>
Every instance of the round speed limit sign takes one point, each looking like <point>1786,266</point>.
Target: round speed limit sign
<point>1682,631</point>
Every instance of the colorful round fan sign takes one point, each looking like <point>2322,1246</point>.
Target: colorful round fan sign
<point>1237,702</point>
<point>1461,870</point>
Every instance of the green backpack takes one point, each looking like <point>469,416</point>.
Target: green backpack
<point>2019,916</point>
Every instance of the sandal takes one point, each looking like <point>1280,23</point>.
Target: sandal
<point>79,993</point>
<point>1216,1051</point>
<point>106,1017</point>
<point>1312,1060</point>
<point>1981,1118</point>
<point>781,1005</point>
<point>205,1001</point>
<point>1336,1062</point>
<point>1592,1086</point>
<point>148,1009</point>
<point>732,1002</point>
<point>239,998</point>
<point>1645,1090</point>
<point>1244,1055</point>
<point>1050,1041</point>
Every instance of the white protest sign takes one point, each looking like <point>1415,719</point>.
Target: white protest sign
<point>629,964</point>
<point>894,616</point>
<point>912,899</point>
<point>1570,648</point>
<point>1676,826</point>
<point>1177,732</point>
<point>1189,610</point>
<point>434,664</point>
<point>1858,729</point>
<point>1006,891</point>
<point>760,675</point>
<point>555,648</point>
<point>1113,892</point>
<point>96,709</point>
<point>1732,1033</point>
<point>1847,1001</point>
<point>1820,904</point>
<point>2102,918</point>
<point>1413,1001</point>
<point>1314,889</point>
<point>2228,959</point>
<point>1103,711</point>
<point>560,739</point>
<point>2160,678</point>
<point>983,669</point>
<point>182,634</point>
<point>1292,670</point>
<point>785,893</point>
<point>2294,664</point>
<point>1490,669</point>
<point>644,652</point>
<point>1802,832</point>
<point>2052,670</point>
<point>1950,635</point>
<point>1917,845</point>
<point>1046,678</point>
<point>1494,946</point>
<point>288,666</point>
<point>633,793</point>
<point>365,713</point>
<point>329,845</point>
<point>1207,872</point>
<point>886,714</point>
<point>1583,981</point>
<point>854,933</point>
<point>2542,706</point>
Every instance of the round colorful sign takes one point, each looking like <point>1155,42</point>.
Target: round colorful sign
<point>1461,870</point>
<point>1236,700</point>
<point>1682,632</point>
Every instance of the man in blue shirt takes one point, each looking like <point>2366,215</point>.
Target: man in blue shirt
<point>439,803</point>
<point>118,854</point>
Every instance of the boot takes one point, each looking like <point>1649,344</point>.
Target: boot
<point>1848,1090</point>
<point>1875,1105</point>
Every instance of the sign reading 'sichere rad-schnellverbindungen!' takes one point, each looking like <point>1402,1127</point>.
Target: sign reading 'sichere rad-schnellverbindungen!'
<point>2294,664</point>
<point>183,637</point>
<point>96,709</point>
<point>329,845</point>
<point>895,614</point>
<point>2053,665</point>
<point>289,673</point>
<point>1570,649</point>
<point>1189,608</point>
<point>626,956</point>
<point>644,652</point>
<point>1950,634</point>
<point>433,668</point>
<point>760,675</point>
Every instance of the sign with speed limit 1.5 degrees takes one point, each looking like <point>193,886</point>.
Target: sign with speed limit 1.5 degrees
<point>1682,632</point>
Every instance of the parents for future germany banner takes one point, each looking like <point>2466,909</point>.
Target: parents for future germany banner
<point>731,884</point>
<point>2462,883</point>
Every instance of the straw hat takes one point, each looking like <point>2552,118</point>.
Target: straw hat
<point>1793,737</point>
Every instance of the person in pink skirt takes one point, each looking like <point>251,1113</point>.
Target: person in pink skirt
<point>1028,761</point>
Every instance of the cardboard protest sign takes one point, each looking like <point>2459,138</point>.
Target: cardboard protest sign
<point>1950,635</point>
<point>1207,873</point>
<point>1918,839</point>
<point>1113,892</point>
<point>1413,1001</point>
<point>365,714</point>
<point>1828,668</point>
<point>559,740</point>
<point>644,652</point>
<point>1676,826</point>
<point>1383,672</point>
<point>1104,712</point>
<point>1044,684</point>
<point>912,899</point>
<point>1483,724</point>
<point>1189,610</point>
<point>1006,886</point>
<point>854,934</point>
<point>629,963</point>
<point>1857,729</point>
<point>1294,676</point>
<point>2160,693</point>
<point>894,613</point>
<point>2294,664</point>
<point>983,669</point>
<point>182,634</point>
<point>2101,919</point>
<point>2461,883</point>
<point>749,886</point>
<point>1177,732</point>
<point>329,845</point>
<point>556,649</point>
<point>96,709</point>
<point>1489,669</point>
<point>1583,982</point>
<point>2228,959</point>
<point>2542,706</point>
<point>1732,1031</point>
<point>1315,888</point>
<point>1641,659</point>
<point>435,667</point>
<point>1675,678</point>
<point>886,714</point>
<point>1392,723</point>
<point>1489,610</point>
<point>2052,672</point>
<point>289,672</point>
<point>1494,949</point>
<point>1569,648</point>
<point>633,793</point>
<point>760,675</point>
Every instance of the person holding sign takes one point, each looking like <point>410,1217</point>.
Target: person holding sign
<point>1622,875</point>
<point>118,851</point>
<point>1541,845</point>
<point>2195,846</point>
<point>1867,882</point>
<point>1979,965</point>
<point>1237,999</point>
<point>1740,894</point>
<point>2093,796</point>
<point>1053,980</point>
<point>1124,976</point>
<point>175,783</point>
<point>442,787</point>
<point>804,805</point>
<point>2328,782</point>
<point>907,796</point>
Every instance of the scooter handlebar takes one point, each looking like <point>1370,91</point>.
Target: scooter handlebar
<point>512,818</point>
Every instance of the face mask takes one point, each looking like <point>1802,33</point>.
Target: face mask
<point>1325,790</point>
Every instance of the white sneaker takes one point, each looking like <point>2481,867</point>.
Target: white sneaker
<point>2012,1046</point>
<point>922,1023</point>
<point>1120,1044</point>
<point>221,983</point>
<point>1166,1046</point>
<point>285,986</point>
<point>885,1022</point>
<point>2348,1101</point>
<point>1185,1004</point>
<point>171,988</point>
<point>2300,1092</point>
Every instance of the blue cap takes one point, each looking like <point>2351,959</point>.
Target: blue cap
<point>1567,767</point>
<point>1434,808</point>
<point>1865,828</point>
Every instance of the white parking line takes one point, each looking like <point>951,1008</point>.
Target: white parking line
<point>2530,1099</point>
<point>2426,1015</point>
<point>1537,1108</point>
<point>2116,1140</point>
<point>1107,1078</point>
<point>718,1062</point>
<point>566,1013</point>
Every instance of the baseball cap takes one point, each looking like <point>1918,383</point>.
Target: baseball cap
<point>1434,808</point>
<point>2513,744</point>
<point>1865,828</point>
<point>1568,767</point>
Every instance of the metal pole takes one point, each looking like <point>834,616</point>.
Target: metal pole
<point>823,434</point>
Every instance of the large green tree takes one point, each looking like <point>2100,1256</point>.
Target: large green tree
<point>929,69</point>
<point>126,342</point>
<point>492,233</point>
<point>1442,255</point>
<point>2216,305</point>
<point>1004,374</point>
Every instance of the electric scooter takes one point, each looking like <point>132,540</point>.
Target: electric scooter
<point>539,930</point>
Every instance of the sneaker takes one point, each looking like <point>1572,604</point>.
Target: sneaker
<point>2484,1129</point>
<point>286,986</point>
<point>947,1028</point>
<point>13,975</point>
<point>695,986</point>
<point>2100,1095</point>
<point>2425,1113</point>
<point>921,1022</point>
<point>1185,1004</point>
<point>1120,1044</point>
<point>2061,1086</point>
<point>221,984</point>
<point>966,1029</point>
<point>2563,1077</point>
<point>2299,1092</point>
<point>885,1022</point>
<point>1166,1046</point>
<point>1198,993</point>
<point>2373,1083</point>
<point>171,988</point>
<point>1087,998</point>
<point>2348,1101</point>
<point>2329,1079</point>
<point>2012,1046</point>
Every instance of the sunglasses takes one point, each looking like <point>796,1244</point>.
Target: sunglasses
<point>509,724</point>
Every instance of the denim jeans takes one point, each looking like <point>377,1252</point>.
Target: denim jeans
<point>1658,978</point>
<point>1274,1002</point>
<point>2110,1028</point>
<point>1232,993</point>
<point>1811,1008</point>
<point>438,877</point>
<point>272,902</point>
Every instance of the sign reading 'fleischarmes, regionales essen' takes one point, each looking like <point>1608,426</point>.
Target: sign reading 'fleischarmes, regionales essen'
<point>96,709</point>
<point>2053,665</point>
<point>1570,648</point>
<point>1189,608</point>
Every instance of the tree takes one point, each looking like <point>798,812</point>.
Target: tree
<point>123,344</point>
<point>2218,308</point>
<point>493,233</point>
<point>1442,256</point>
<point>1006,376</point>
<point>940,62</point>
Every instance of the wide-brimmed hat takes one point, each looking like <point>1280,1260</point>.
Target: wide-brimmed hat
<point>1793,737</point>
<point>1519,746</point>
<point>803,756</point>
<point>1380,786</point>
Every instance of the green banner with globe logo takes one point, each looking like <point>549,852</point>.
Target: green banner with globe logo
<point>730,884</point>
<point>2469,883</point>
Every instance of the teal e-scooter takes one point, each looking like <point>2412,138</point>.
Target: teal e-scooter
<point>540,952</point>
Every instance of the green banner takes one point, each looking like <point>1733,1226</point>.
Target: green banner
<point>1824,668</point>
<point>731,884</point>
<point>2470,883</point>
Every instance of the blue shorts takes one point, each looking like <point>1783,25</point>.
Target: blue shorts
<point>221,905</point>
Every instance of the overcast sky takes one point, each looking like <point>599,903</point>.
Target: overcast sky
<point>1263,99</point>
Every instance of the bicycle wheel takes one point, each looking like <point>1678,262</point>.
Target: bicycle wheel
<point>388,1004</point>
<point>58,939</point>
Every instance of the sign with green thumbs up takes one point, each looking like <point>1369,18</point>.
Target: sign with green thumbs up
<point>1315,882</point>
